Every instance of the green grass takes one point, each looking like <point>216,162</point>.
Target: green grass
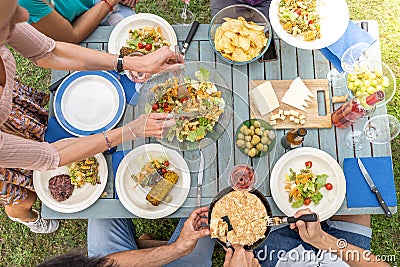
<point>19,247</point>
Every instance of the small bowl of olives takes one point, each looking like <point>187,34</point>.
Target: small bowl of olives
<point>255,138</point>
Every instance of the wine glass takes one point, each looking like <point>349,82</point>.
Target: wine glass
<point>183,16</point>
<point>354,57</point>
<point>336,79</point>
<point>377,130</point>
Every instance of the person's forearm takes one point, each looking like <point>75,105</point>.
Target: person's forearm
<point>88,21</point>
<point>72,150</point>
<point>352,255</point>
<point>67,56</point>
<point>151,257</point>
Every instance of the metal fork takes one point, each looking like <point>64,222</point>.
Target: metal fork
<point>274,221</point>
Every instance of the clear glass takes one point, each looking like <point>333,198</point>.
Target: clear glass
<point>354,56</point>
<point>336,79</point>
<point>183,16</point>
<point>377,130</point>
<point>243,177</point>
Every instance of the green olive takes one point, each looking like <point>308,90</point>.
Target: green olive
<point>257,124</point>
<point>269,142</point>
<point>240,136</point>
<point>265,133</point>
<point>259,147</point>
<point>246,150</point>
<point>252,152</point>
<point>262,129</point>
<point>248,132</point>
<point>258,131</point>
<point>271,135</point>
<point>264,139</point>
<point>249,145</point>
<point>252,127</point>
<point>247,138</point>
<point>255,140</point>
<point>243,129</point>
<point>168,198</point>
<point>241,143</point>
<point>265,148</point>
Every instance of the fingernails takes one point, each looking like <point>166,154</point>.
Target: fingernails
<point>170,116</point>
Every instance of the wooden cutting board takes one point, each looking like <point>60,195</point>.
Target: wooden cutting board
<point>318,115</point>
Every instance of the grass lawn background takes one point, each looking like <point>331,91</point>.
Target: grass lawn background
<point>20,247</point>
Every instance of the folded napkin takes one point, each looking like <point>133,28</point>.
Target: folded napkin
<point>54,130</point>
<point>116,160</point>
<point>352,36</point>
<point>357,190</point>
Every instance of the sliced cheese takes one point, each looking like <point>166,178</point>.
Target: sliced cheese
<point>300,86</point>
<point>265,98</point>
<point>294,99</point>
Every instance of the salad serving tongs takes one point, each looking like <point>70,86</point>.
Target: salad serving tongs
<point>189,115</point>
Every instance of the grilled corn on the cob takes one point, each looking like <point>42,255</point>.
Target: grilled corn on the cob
<point>162,188</point>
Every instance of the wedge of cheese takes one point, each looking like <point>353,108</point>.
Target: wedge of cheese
<point>302,88</point>
<point>265,98</point>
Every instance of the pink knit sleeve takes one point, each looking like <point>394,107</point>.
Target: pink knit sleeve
<point>17,152</point>
<point>31,43</point>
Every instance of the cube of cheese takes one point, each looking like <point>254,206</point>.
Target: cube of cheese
<point>302,122</point>
<point>286,112</point>
<point>272,122</point>
<point>282,117</point>
<point>294,113</point>
<point>291,118</point>
<point>280,112</point>
<point>302,117</point>
<point>275,116</point>
<point>296,120</point>
<point>265,98</point>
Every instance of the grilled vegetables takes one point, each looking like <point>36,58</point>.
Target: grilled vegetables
<point>162,188</point>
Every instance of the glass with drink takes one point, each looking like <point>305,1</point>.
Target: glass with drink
<point>243,177</point>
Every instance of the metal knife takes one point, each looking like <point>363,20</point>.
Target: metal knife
<point>373,188</point>
<point>200,180</point>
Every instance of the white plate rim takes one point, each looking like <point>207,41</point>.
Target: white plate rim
<point>63,87</point>
<point>276,182</point>
<point>339,29</point>
<point>145,213</point>
<point>134,18</point>
<point>61,207</point>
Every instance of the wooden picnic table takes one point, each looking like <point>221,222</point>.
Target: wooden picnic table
<point>223,155</point>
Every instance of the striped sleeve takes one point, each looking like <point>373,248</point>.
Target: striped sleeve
<point>17,152</point>
<point>31,43</point>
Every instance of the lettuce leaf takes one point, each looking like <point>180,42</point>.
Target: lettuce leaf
<point>202,74</point>
<point>321,180</point>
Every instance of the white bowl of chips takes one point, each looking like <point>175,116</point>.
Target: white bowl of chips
<point>239,34</point>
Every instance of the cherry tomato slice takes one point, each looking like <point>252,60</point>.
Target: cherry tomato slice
<point>166,163</point>
<point>165,105</point>
<point>140,45</point>
<point>308,164</point>
<point>167,109</point>
<point>307,201</point>
<point>298,11</point>
<point>184,99</point>
<point>311,21</point>
<point>328,186</point>
<point>155,106</point>
<point>163,170</point>
<point>148,47</point>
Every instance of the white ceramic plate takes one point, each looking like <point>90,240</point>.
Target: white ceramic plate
<point>89,102</point>
<point>80,199</point>
<point>134,197</point>
<point>322,163</point>
<point>334,16</point>
<point>120,33</point>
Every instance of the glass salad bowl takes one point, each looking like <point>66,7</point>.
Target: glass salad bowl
<point>204,115</point>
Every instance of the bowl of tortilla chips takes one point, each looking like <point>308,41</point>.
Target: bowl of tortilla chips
<point>239,34</point>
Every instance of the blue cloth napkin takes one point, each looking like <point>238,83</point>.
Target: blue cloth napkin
<point>54,130</point>
<point>357,190</point>
<point>352,35</point>
<point>116,160</point>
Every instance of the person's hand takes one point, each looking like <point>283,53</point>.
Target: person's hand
<point>149,125</point>
<point>193,230</point>
<point>130,3</point>
<point>155,62</point>
<point>240,258</point>
<point>310,232</point>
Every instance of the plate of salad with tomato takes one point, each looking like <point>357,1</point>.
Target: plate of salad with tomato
<point>143,33</point>
<point>308,178</point>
